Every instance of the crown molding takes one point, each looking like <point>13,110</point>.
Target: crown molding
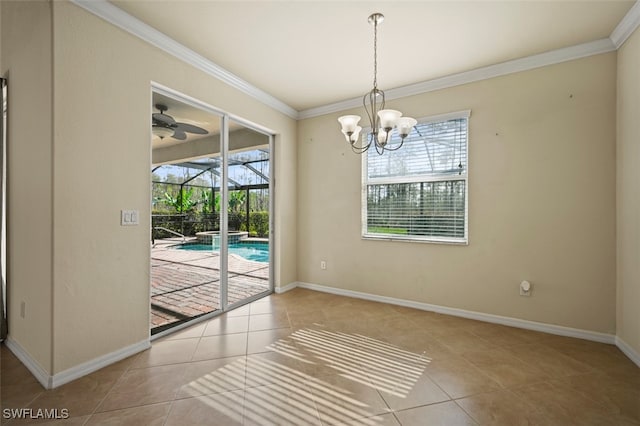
<point>517,65</point>
<point>627,26</point>
<point>118,17</point>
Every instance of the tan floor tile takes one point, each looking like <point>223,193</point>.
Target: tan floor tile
<point>501,408</point>
<point>316,365</point>
<point>14,373</point>
<point>188,333</point>
<point>598,356</point>
<point>615,396</point>
<point>143,386</point>
<point>339,399</point>
<point>71,421</point>
<point>267,307</point>
<point>329,352</point>
<point>122,365</point>
<point>460,341</point>
<point>151,415</point>
<point>421,343</point>
<point>167,352</point>
<point>213,376</point>
<point>339,312</point>
<point>20,395</point>
<point>380,420</point>
<point>268,321</point>
<point>266,340</point>
<point>502,335</point>
<point>280,404</point>
<point>410,392</point>
<point>505,368</point>
<point>442,414</point>
<point>356,326</point>
<point>554,363</point>
<point>239,312</point>
<point>273,368</point>
<point>311,317</point>
<point>224,346</point>
<point>80,397</point>
<point>221,409</point>
<point>227,325</point>
<point>567,407</point>
<point>76,405</point>
<point>459,378</point>
<point>434,322</point>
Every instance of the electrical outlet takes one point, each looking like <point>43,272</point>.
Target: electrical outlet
<point>525,288</point>
<point>23,309</point>
<point>323,264</point>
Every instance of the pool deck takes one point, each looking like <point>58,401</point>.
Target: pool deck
<point>186,283</point>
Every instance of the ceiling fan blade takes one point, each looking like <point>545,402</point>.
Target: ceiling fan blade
<point>163,118</point>
<point>191,128</point>
<point>179,134</point>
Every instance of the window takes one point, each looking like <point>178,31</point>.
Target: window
<point>419,192</point>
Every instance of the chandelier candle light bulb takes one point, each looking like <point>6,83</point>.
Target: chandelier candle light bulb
<point>382,121</point>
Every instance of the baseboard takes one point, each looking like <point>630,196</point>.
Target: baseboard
<point>480,316</point>
<point>284,289</point>
<point>32,365</point>
<point>66,376</point>
<point>631,353</point>
<point>96,364</point>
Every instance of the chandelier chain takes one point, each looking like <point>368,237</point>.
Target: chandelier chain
<point>375,54</point>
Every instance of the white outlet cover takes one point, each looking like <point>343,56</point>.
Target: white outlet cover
<point>129,217</point>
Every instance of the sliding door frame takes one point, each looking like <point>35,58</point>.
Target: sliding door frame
<point>224,197</point>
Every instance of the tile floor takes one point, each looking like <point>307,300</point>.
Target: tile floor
<point>308,358</point>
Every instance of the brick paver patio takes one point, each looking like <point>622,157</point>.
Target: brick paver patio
<point>185,283</point>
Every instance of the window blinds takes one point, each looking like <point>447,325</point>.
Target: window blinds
<point>420,190</point>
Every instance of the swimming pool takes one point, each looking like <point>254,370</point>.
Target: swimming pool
<point>257,252</point>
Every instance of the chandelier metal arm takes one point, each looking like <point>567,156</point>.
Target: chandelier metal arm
<point>396,148</point>
<point>371,101</point>
<point>360,149</point>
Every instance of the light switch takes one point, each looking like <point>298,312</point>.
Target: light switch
<point>129,217</point>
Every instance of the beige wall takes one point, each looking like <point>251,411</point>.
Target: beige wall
<point>99,164</point>
<point>27,64</point>
<point>541,202</point>
<point>628,159</point>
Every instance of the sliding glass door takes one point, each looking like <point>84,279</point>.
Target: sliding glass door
<point>211,216</point>
<point>248,256</point>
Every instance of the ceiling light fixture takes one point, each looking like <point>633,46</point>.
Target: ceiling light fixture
<point>162,131</point>
<point>382,121</point>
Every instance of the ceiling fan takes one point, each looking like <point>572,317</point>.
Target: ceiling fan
<point>164,125</point>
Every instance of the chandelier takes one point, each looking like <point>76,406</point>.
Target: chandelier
<point>382,121</point>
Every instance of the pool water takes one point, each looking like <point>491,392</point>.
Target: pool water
<point>257,252</point>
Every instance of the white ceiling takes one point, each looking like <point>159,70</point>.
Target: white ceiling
<point>313,53</point>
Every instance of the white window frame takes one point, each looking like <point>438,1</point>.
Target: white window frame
<point>366,182</point>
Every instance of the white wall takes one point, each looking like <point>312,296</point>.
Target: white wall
<point>628,160</point>
<point>27,64</point>
<point>541,202</point>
